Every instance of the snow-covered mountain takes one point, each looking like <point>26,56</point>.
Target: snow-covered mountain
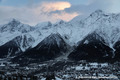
<point>16,46</point>
<point>51,47</point>
<point>44,25</point>
<point>15,25</point>
<point>13,29</point>
<point>107,27</point>
<point>92,48</point>
<point>99,32</point>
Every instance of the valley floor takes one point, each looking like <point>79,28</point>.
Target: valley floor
<point>60,70</point>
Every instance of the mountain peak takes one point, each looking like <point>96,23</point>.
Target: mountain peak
<point>97,13</point>
<point>14,21</point>
<point>15,25</point>
<point>60,22</point>
<point>54,35</point>
<point>44,25</point>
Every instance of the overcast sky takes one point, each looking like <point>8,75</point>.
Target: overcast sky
<point>36,11</point>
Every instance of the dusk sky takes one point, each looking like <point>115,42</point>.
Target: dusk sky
<point>36,11</point>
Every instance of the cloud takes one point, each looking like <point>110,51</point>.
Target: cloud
<point>53,6</point>
<point>108,6</point>
<point>53,10</point>
<point>62,16</point>
<point>114,6</point>
<point>47,10</point>
<point>38,13</point>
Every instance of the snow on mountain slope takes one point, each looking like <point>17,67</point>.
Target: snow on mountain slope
<point>51,47</point>
<point>15,25</point>
<point>13,29</point>
<point>25,41</point>
<point>17,45</point>
<point>44,25</point>
<point>105,25</point>
<point>109,29</point>
<point>40,34</point>
<point>6,37</point>
<point>92,48</point>
<point>74,31</point>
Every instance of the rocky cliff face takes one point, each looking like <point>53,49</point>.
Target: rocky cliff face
<point>16,46</point>
<point>92,48</point>
<point>51,47</point>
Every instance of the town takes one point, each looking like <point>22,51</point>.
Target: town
<point>60,70</point>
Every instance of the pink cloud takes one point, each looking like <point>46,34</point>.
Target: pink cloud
<point>38,13</point>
